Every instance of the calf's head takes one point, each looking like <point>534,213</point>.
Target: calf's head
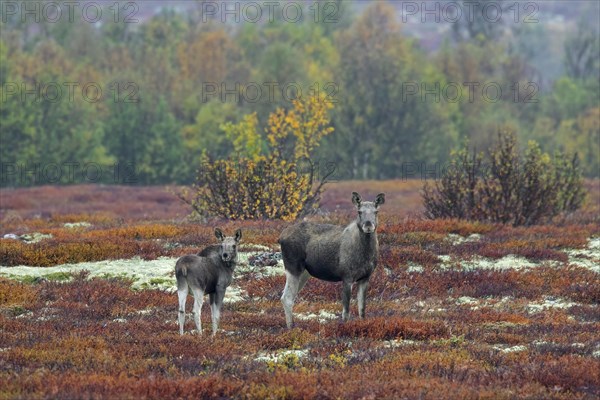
<point>367,212</point>
<point>228,248</point>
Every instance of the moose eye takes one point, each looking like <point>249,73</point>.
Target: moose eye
<point>234,246</point>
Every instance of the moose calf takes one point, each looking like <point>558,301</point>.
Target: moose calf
<point>210,272</point>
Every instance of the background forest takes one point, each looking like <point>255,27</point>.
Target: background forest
<point>145,91</point>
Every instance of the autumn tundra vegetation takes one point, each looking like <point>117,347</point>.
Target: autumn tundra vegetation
<point>458,309</point>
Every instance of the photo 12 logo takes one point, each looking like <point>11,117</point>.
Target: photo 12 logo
<point>453,92</point>
<point>54,92</point>
<point>438,170</point>
<point>469,11</point>
<point>267,92</point>
<point>70,172</point>
<point>69,11</point>
<point>269,11</point>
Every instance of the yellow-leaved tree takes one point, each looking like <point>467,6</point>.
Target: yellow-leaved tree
<point>273,175</point>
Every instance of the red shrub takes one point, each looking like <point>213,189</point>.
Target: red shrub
<point>388,328</point>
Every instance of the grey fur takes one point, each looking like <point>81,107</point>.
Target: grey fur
<point>210,272</point>
<point>332,253</point>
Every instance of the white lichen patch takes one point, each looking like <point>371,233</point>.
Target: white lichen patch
<point>234,294</point>
<point>261,272</point>
<point>47,314</point>
<point>456,239</point>
<point>395,343</point>
<point>414,267</point>
<point>146,311</point>
<point>27,314</point>
<point>431,305</point>
<point>253,247</point>
<point>244,267</point>
<point>280,355</point>
<point>145,274</point>
<point>35,237</point>
<point>512,349</point>
<point>437,310</point>
<point>494,302</point>
<point>72,225</point>
<point>445,258</point>
<point>323,316</point>
<point>596,353</point>
<point>586,258</point>
<point>505,263</point>
<point>541,343</point>
<point>154,274</point>
<point>549,302</point>
<point>467,300</point>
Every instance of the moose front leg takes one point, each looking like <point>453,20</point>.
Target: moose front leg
<point>362,297</point>
<point>215,305</point>
<point>212,299</point>
<point>346,293</point>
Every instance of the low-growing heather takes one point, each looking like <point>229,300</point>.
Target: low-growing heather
<point>451,312</point>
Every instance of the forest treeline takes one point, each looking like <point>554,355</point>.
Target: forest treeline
<point>141,101</point>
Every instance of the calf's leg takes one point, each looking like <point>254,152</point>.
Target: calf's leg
<point>198,300</point>
<point>182,293</point>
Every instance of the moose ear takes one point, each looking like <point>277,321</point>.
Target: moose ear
<point>380,199</point>
<point>356,199</point>
<point>219,234</point>
<point>238,235</point>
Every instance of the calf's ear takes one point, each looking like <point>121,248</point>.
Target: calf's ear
<point>356,199</point>
<point>380,199</point>
<point>238,235</point>
<point>219,234</point>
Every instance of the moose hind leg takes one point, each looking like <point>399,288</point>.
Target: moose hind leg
<point>292,285</point>
<point>182,293</point>
<point>303,279</point>
<point>362,297</point>
<point>198,300</point>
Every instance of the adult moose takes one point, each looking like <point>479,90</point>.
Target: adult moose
<point>210,272</point>
<point>332,253</point>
